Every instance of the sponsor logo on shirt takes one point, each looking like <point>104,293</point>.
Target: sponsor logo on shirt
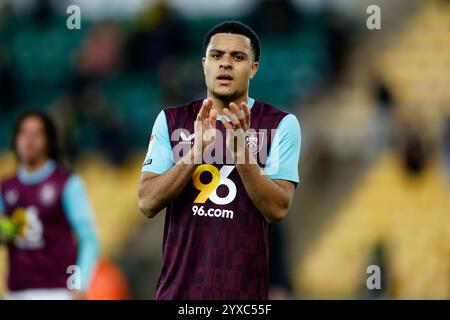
<point>12,196</point>
<point>208,191</point>
<point>30,234</point>
<point>187,139</point>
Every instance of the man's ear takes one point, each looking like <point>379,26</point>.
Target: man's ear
<point>203,64</point>
<point>255,67</point>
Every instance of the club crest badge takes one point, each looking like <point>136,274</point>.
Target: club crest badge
<point>254,141</point>
<point>47,196</point>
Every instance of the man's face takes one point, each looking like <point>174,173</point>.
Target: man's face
<point>229,65</point>
<point>31,140</point>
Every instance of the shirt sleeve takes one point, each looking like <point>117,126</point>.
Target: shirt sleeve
<point>79,214</point>
<point>284,155</point>
<point>159,158</point>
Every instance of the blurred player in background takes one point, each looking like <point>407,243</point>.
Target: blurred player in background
<point>45,218</point>
<point>216,236</point>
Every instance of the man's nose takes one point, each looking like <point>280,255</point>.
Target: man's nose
<point>226,62</point>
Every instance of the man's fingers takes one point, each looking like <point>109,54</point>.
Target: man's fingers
<point>234,108</point>
<point>246,109</point>
<point>201,112</point>
<point>209,102</point>
<point>240,115</point>
<point>247,115</point>
<point>204,110</point>
<point>208,106</point>
<point>213,118</point>
<point>225,123</point>
<point>233,119</point>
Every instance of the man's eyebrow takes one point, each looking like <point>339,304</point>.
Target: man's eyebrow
<point>223,51</point>
<point>239,52</point>
<point>217,51</point>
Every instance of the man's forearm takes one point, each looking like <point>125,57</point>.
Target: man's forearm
<point>155,193</point>
<point>269,197</point>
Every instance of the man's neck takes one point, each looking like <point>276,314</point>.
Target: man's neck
<point>220,104</point>
<point>34,165</point>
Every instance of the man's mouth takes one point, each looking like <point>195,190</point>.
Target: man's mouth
<point>224,79</point>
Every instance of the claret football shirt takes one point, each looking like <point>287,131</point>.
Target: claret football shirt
<point>216,242</point>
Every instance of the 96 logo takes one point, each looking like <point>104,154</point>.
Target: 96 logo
<point>209,191</point>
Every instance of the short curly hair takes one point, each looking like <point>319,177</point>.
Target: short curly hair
<point>236,27</point>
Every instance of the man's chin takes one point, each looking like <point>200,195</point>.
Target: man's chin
<point>30,161</point>
<point>225,95</point>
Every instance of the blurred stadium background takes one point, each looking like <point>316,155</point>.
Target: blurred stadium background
<point>374,106</point>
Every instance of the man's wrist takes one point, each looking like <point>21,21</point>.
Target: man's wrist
<point>243,156</point>
<point>191,157</point>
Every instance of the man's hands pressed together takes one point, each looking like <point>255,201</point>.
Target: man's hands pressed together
<point>204,132</point>
<point>236,130</point>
